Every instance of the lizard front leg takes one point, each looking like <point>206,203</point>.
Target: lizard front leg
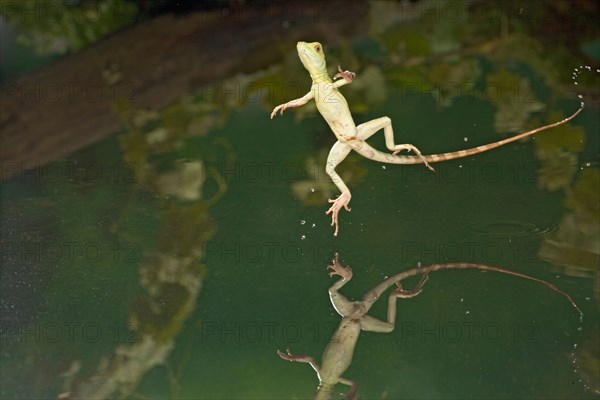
<point>338,152</point>
<point>353,388</point>
<point>368,129</point>
<point>299,358</point>
<point>348,77</point>
<point>292,103</point>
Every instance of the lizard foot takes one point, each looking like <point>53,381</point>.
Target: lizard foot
<point>347,75</point>
<point>281,108</point>
<point>339,269</point>
<point>407,294</point>
<point>409,147</point>
<point>293,357</point>
<point>341,201</point>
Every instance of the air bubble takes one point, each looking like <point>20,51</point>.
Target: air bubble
<point>383,167</point>
<point>302,222</point>
<point>312,190</point>
<point>303,237</point>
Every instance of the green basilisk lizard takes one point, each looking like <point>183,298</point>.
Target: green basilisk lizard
<point>338,353</point>
<point>333,107</point>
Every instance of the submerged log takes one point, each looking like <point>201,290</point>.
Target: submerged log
<point>70,104</point>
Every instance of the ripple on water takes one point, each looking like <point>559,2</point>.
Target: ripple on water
<point>510,228</point>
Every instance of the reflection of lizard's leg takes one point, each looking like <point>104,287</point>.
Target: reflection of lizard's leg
<point>368,323</point>
<point>299,358</point>
<point>368,129</point>
<point>338,152</point>
<point>404,294</point>
<point>353,387</point>
<point>341,304</point>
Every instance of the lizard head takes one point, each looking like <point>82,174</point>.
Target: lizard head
<point>312,57</point>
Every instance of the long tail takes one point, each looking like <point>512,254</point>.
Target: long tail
<point>369,152</point>
<point>372,295</point>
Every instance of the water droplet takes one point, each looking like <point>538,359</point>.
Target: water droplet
<point>461,300</point>
<point>302,222</point>
<point>313,225</point>
<point>312,190</point>
<point>302,237</point>
<point>575,346</point>
<point>468,312</point>
<point>466,139</point>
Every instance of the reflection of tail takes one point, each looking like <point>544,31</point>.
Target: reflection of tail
<point>372,295</point>
<point>369,152</point>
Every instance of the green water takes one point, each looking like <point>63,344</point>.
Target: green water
<point>468,335</point>
<point>203,232</point>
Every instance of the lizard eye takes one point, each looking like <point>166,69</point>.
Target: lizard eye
<point>317,48</point>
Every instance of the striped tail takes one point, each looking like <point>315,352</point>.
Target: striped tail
<point>372,295</point>
<point>369,152</point>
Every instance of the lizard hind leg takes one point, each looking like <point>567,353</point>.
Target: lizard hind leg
<point>407,294</point>
<point>368,129</point>
<point>338,152</point>
<point>342,305</point>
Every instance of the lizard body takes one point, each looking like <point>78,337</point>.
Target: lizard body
<point>334,108</point>
<point>340,349</point>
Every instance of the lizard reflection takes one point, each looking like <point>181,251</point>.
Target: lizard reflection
<point>338,353</point>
